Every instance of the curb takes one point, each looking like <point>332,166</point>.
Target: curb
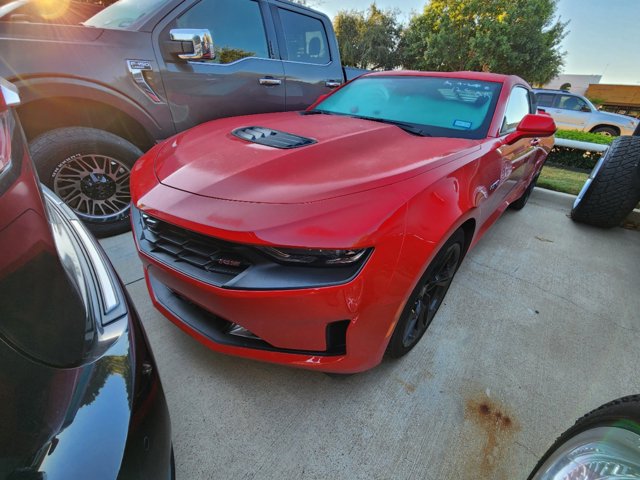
<point>566,200</point>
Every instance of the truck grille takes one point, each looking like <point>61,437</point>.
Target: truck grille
<point>190,252</point>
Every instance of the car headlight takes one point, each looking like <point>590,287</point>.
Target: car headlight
<point>315,257</point>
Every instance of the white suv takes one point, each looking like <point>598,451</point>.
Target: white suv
<point>575,112</point>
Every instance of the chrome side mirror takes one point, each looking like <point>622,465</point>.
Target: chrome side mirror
<point>199,38</point>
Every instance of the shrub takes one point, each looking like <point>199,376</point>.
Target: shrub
<point>584,137</point>
<point>574,158</point>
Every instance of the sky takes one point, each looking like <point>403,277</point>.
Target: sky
<point>603,39</point>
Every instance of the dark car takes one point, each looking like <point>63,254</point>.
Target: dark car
<point>80,395</point>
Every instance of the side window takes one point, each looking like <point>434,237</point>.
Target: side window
<point>236,28</point>
<point>517,107</point>
<point>305,38</point>
<point>545,99</point>
<point>569,102</point>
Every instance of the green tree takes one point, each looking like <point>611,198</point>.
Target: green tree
<point>520,37</point>
<point>369,39</point>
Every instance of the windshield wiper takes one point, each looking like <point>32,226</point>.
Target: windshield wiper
<point>407,127</point>
<point>315,111</point>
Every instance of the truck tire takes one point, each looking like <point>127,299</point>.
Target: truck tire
<point>602,443</point>
<point>89,170</point>
<point>613,188</point>
<point>606,131</point>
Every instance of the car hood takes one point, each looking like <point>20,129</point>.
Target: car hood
<point>616,117</point>
<point>349,155</point>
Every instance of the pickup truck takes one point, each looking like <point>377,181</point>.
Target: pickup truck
<point>97,95</point>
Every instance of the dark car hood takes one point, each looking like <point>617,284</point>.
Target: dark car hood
<point>350,155</point>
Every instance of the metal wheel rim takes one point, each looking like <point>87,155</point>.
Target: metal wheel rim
<point>587,184</point>
<point>595,454</point>
<point>431,295</point>
<point>70,183</point>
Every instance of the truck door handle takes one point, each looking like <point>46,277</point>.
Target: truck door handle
<point>332,84</point>
<point>270,81</point>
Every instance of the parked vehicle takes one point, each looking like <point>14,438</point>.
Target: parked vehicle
<point>575,112</point>
<point>97,96</point>
<point>323,239</point>
<point>80,396</point>
<point>604,443</point>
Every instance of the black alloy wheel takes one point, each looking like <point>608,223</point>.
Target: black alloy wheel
<point>427,297</point>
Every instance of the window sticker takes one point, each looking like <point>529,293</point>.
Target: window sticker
<point>462,124</point>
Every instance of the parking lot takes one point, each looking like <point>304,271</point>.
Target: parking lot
<point>539,327</point>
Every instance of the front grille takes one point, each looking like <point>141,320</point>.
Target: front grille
<point>272,138</point>
<point>191,252</point>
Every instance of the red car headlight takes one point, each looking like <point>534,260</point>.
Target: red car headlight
<point>314,257</point>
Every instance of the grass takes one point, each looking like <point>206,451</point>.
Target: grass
<point>561,179</point>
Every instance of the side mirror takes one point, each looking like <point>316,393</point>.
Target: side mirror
<point>9,96</point>
<point>200,40</point>
<point>531,126</point>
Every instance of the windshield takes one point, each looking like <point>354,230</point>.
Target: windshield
<point>122,14</point>
<point>438,106</point>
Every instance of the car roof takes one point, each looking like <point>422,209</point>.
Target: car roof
<point>466,75</point>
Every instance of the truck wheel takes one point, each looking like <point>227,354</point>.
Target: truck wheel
<point>602,444</point>
<point>613,188</point>
<point>524,198</point>
<point>606,131</point>
<point>89,170</point>
<point>426,298</point>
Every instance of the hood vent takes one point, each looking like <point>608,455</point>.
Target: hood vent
<point>272,138</point>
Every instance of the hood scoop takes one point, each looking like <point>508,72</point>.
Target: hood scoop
<point>272,138</point>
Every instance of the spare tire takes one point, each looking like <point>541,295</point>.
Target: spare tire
<point>613,188</point>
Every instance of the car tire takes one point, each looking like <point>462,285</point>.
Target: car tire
<point>427,297</point>
<point>606,131</point>
<point>616,420</point>
<point>613,188</point>
<point>524,198</point>
<point>89,169</point>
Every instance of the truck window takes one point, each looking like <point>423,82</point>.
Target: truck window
<point>305,38</point>
<point>545,99</point>
<point>569,102</point>
<point>236,27</point>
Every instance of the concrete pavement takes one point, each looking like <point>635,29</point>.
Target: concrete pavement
<point>541,325</point>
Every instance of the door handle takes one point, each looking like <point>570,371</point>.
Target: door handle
<point>270,82</point>
<point>332,84</point>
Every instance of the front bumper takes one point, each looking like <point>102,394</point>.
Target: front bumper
<point>341,327</point>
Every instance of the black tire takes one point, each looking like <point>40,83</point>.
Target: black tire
<point>524,198</point>
<point>427,297</point>
<point>623,413</point>
<point>89,169</point>
<point>613,188</point>
<point>606,131</point>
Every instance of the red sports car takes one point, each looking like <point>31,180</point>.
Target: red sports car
<point>323,239</point>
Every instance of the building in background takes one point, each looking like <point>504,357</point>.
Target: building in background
<point>574,83</point>
<point>623,99</point>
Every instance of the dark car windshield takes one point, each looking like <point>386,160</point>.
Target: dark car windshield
<point>436,106</point>
<point>124,13</point>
